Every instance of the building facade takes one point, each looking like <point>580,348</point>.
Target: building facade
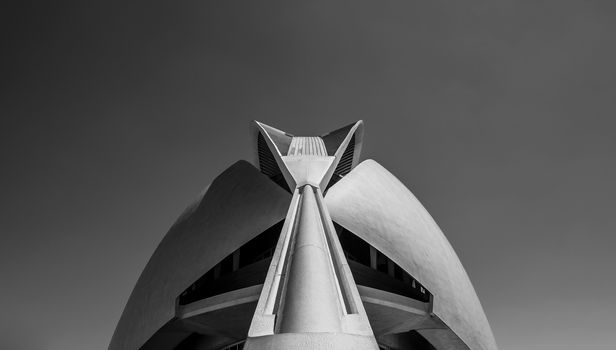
<point>306,249</point>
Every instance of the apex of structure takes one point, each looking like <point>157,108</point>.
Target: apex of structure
<point>316,160</point>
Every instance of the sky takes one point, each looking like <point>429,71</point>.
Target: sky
<point>499,115</point>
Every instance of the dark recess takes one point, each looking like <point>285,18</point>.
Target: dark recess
<point>252,262</point>
<point>376,270</point>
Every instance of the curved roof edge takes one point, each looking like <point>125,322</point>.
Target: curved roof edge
<point>202,236</point>
<point>375,205</point>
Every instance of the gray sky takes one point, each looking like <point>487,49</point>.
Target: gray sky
<point>498,115</point>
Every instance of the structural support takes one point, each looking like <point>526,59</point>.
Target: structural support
<point>309,299</point>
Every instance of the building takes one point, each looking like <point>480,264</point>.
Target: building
<point>307,249</point>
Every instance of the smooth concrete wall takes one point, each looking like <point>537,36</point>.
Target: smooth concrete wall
<point>376,206</point>
<point>240,204</point>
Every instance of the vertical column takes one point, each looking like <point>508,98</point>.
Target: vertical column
<point>373,257</point>
<point>311,301</point>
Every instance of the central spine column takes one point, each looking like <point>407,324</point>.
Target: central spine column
<point>311,301</point>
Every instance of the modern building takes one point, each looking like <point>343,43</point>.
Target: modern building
<point>306,249</point>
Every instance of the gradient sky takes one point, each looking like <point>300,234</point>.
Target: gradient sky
<point>499,115</point>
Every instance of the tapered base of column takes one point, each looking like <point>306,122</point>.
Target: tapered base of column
<point>312,341</point>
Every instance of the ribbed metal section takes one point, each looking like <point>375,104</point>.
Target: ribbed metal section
<point>346,163</point>
<point>268,165</point>
<point>307,146</point>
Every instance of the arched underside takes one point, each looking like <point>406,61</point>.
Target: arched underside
<point>376,206</point>
<point>239,204</point>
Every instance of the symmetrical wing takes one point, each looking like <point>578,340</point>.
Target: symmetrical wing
<point>238,205</point>
<point>377,207</point>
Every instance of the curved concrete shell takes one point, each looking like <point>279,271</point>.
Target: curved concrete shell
<point>312,250</point>
<point>376,206</point>
<point>238,205</point>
